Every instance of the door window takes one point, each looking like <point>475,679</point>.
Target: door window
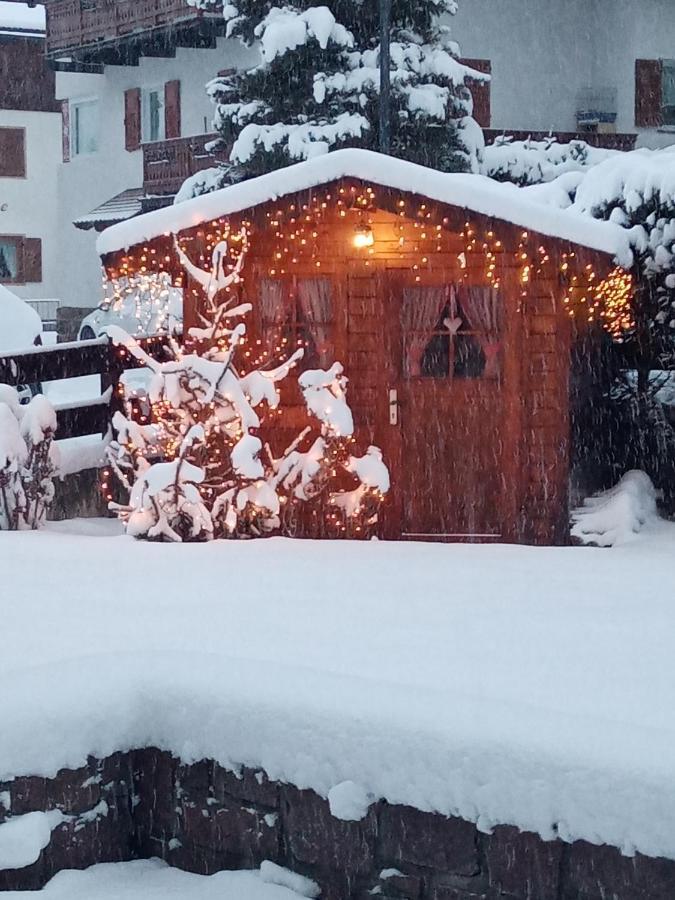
<point>84,117</point>
<point>152,114</point>
<point>450,332</point>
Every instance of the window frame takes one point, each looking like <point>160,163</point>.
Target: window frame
<point>75,105</point>
<point>15,240</point>
<point>24,155</point>
<point>295,328</point>
<point>146,93</point>
<point>667,110</point>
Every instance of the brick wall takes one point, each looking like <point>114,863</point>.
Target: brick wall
<point>203,818</point>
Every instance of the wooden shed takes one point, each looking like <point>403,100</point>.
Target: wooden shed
<point>446,297</point>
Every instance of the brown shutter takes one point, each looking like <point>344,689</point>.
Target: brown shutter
<point>132,119</point>
<point>172,109</point>
<point>648,93</point>
<point>480,91</point>
<point>12,153</point>
<point>31,260</point>
<point>65,130</point>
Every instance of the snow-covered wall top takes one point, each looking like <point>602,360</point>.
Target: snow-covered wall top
<point>473,192</point>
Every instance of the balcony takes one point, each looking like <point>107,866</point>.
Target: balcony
<point>84,35</point>
<point>166,164</point>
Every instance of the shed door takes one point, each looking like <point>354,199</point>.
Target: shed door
<point>446,361</point>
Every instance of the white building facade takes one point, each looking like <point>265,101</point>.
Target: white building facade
<point>30,156</point>
<point>127,130</point>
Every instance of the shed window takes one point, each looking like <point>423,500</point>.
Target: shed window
<point>298,312</point>
<point>451,332</point>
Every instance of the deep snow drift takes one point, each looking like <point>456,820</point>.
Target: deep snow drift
<point>154,880</point>
<point>504,684</point>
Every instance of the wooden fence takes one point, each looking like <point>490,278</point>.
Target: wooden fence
<point>73,360</point>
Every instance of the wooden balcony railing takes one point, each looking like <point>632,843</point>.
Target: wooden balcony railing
<point>78,26</point>
<point>606,141</point>
<point>166,164</point>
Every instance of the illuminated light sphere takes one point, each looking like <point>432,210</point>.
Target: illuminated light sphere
<point>363,236</point>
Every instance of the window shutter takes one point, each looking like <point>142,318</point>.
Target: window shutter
<point>12,153</point>
<point>65,130</point>
<point>31,260</point>
<point>132,119</point>
<point>172,109</point>
<point>648,93</point>
<point>480,91</point>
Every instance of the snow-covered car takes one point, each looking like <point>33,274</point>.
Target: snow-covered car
<point>141,307</point>
<point>20,329</point>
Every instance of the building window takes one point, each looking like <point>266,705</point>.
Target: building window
<point>9,259</point>
<point>298,312</point>
<point>450,332</point>
<point>84,127</point>
<point>668,91</point>
<point>12,153</point>
<point>152,114</point>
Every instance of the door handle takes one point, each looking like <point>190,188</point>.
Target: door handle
<point>393,406</point>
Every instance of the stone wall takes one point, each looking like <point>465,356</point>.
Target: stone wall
<point>203,818</point>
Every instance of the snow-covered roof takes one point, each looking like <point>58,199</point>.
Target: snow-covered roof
<point>119,208</point>
<point>473,192</point>
<point>19,323</point>
<point>20,18</point>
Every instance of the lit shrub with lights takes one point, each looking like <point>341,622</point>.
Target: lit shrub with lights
<point>190,456</point>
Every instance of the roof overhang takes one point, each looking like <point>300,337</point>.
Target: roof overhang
<point>120,208</point>
<point>476,193</point>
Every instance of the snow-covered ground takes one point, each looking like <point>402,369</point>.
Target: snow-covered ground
<point>504,684</point>
<point>154,880</point>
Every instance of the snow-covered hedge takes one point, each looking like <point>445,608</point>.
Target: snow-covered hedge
<point>532,162</point>
<point>614,516</point>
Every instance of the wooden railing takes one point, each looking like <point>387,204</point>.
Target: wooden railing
<point>606,141</point>
<point>64,361</point>
<point>166,164</point>
<point>79,23</point>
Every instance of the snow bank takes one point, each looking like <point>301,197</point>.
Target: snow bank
<point>453,678</point>
<point>20,325</point>
<point>475,192</point>
<point>271,873</point>
<point>151,879</point>
<point>617,515</point>
<point>23,838</point>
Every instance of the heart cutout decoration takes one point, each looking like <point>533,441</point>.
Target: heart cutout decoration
<point>453,325</point>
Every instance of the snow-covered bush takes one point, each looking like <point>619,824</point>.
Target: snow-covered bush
<point>614,516</point>
<point>533,162</point>
<point>192,459</point>
<point>316,87</point>
<point>28,460</point>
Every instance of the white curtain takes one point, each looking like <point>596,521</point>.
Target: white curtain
<point>420,312</point>
<point>480,309</point>
<point>316,304</point>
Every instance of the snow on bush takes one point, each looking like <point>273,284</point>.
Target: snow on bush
<point>636,191</point>
<point>615,516</point>
<point>28,460</point>
<point>532,162</point>
<point>191,459</point>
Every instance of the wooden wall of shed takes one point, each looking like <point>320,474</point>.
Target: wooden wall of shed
<point>533,388</point>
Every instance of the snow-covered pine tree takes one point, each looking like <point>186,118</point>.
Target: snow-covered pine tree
<point>316,87</point>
